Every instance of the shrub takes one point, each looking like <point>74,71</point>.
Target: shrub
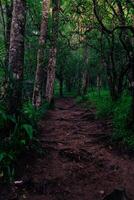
<point>123,129</point>
<point>119,111</point>
<point>17,135</point>
<point>103,104</point>
<point>33,114</point>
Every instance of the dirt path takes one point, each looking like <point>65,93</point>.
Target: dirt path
<point>77,165</point>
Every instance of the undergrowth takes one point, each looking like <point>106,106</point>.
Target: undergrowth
<point>18,135</point>
<point>119,112</point>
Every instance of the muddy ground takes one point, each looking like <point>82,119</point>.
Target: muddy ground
<point>78,162</point>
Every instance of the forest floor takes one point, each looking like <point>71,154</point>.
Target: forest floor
<point>79,163</point>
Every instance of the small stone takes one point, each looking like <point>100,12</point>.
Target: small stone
<point>18,182</point>
<point>102,192</point>
<point>110,148</point>
<point>1,174</point>
<point>24,196</point>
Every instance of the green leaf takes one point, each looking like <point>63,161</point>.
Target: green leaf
<point>28,129</point>
<point>2,156</point>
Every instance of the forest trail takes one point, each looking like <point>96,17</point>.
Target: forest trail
<point>78,165</point>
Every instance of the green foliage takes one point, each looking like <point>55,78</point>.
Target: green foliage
<point>122,122</point>
<point>28,129</point>
<point>119,112</point>
<point>6,168</point>
<point>102,102</point>
<point>2,73</point>
<point>17,135</point>
<point>32,113</point>
<point>16,138</point>
<point>79,99</point>
<point>2,50</point>
<point>121,115</point>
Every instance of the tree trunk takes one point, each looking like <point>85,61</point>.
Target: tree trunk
<point>53,51</point>
<point>68,86</point>
<point>6,27</point>
<point>98,83</point>
<point>85,82</point>
<point>9,9</point>
<point>3,23</point>
<point>16,55</point>
<point>85,75</point>
<point>40,55</point>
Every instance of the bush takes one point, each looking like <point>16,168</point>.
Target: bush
<point>103,103</point>
<point>17,135</point>
<point>119,112</point>
<point>123,129</point>
<point>33,114</point>
<point>79,99</point>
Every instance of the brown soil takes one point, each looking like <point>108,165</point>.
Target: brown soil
<point>78,164</point>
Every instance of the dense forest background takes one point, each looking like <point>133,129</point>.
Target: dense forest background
<point>56,48</point>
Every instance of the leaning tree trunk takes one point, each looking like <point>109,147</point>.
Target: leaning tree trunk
<point>16,55</point>
<point>40,55</point>
<point>53,51</point>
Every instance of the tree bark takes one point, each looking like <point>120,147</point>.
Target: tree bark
<point>53,51</point>
<point>3,20</point>
<point>85,75</point>
<point>6,21</point>
<point>99,83</point>
<point>9,9</point>
<point>37,97</point>
<point>16,55</point>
